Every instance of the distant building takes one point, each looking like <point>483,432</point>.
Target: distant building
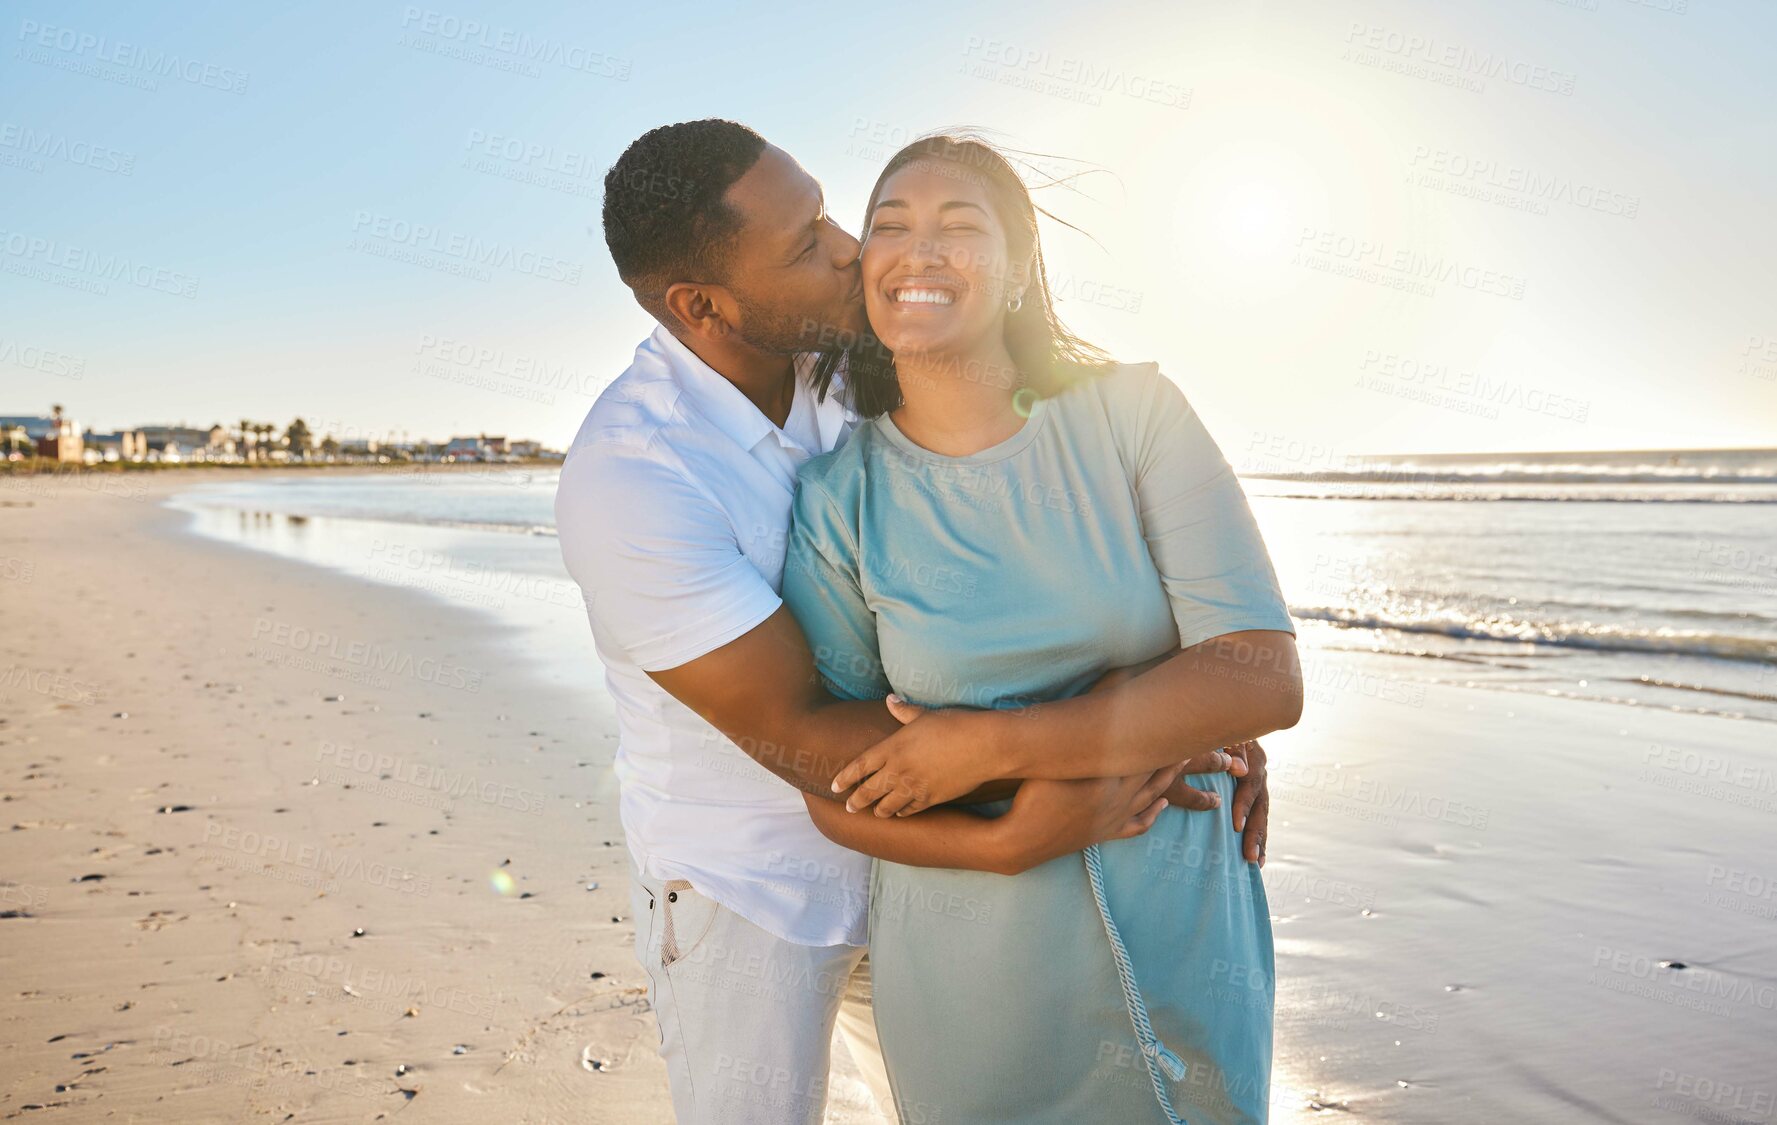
<point>527,448</point>
<point>467,449</point>
<point>124,445</point>
<point>34,426</point>
<point>188,443</point>
<point>54,436</point>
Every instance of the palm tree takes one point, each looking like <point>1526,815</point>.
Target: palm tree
<point>297,435</point>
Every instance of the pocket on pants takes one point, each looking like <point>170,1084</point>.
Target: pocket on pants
<point>685,920</point>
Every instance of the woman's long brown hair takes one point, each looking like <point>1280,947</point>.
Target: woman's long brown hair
<point>1047,357</point>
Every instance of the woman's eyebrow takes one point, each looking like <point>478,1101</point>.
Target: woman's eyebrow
<point>950,206</point>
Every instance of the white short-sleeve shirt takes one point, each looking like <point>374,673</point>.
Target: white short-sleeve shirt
<point>674,512</point>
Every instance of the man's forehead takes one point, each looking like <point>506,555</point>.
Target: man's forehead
<point>777,193</point>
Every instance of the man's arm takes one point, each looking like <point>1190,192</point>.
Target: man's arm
<point>668,582</point>
<point>1047,819</point>
<point>763,692</point>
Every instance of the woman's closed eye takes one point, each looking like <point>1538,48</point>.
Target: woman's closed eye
<point>952,228</point>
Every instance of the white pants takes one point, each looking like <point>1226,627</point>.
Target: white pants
<point>746,1018</point>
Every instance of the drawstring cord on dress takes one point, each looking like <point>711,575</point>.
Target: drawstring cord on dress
<point>1155,1054</point>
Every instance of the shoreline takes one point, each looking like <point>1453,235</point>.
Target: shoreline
<point>43,467</point>
<point>1476,894</point>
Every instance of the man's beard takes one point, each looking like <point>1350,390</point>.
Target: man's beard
<point>785,333</point>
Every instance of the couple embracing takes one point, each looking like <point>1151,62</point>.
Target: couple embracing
<point>937,641</point>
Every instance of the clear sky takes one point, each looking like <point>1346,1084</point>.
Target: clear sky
<point>1378,226</point>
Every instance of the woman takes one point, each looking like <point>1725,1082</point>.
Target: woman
<point>1016,516</point>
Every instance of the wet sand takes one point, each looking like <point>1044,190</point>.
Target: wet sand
<point>221,765</point>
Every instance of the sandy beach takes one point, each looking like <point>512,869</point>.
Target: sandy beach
<point>286,846</point>
<point>289,844</point>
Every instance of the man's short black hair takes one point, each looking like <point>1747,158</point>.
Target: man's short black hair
<point>665,220</point>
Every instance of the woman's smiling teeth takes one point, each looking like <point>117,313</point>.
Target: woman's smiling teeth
<point>924,296</point>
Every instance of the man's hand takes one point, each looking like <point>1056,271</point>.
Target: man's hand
<point>1252,801</point>
<point>1183,795</point>
<point>1252,794</point>
<point>1049,819</point>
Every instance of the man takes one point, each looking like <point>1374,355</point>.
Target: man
<point>673,513</point>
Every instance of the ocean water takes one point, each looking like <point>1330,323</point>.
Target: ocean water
<point>1648,580</point>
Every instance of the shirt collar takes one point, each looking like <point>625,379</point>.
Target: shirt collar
<point>733,412</point>
<point>830,414</point>
<point>715,397</point>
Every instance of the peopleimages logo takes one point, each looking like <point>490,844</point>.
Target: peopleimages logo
<point>36,146</point>
<point>475,253</point>
<point>318,865</point>
<point>1051,71</point>
<point>371,657</point>
<point>33,252</point>
<point>1532,186</point>
<point>518,47</point>
<point>1376,259</point>
<point>1457,60</point>
<point>46,360</point>
<point>129,56</point>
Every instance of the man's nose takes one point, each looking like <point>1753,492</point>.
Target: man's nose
<point>845,248</point>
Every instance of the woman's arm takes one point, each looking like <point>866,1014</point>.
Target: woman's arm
<point>1228,690</point>
<point>1181,795</point>
<point>1251,807</point>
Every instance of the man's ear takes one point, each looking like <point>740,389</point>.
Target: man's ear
<point>702,309</point>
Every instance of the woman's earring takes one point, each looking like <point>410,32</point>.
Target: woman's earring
<point>1015,303</point>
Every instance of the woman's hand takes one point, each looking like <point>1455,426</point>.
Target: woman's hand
<point>918,766</point>
<point>1056,818</point>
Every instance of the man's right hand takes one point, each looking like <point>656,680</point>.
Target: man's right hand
<point>1181,794</point>
<point>1049,819</point>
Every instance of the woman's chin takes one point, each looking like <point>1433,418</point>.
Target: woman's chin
<point>922,347</point>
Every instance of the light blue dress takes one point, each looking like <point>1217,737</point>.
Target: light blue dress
<point>1107,530</point>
